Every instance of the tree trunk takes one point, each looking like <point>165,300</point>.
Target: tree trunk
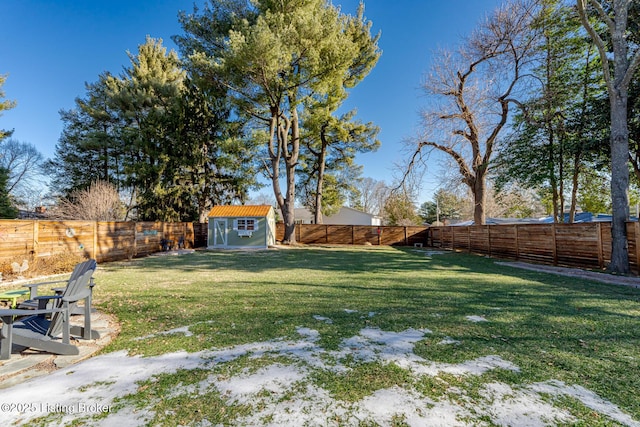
<point>291,151</point>
<point>574,187</point>
<point>479,195</point>
<point>288,211</point>
<point>322,158</point>
<point>618,88</point>
<point>619,183</point>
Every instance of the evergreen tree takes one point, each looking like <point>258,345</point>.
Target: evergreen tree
<point>145,99</point>
<point>400,210</point>
<point>557,133</point>
<point>276,57</point>
<point>445,206</point>
<point>158,137</point>
<point>88,149</point>
<point>330,143</point>
<point>6,207</point>
<point>327,168</point>
<point>4,105</point>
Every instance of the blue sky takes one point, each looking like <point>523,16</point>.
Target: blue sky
<point>49,49</point>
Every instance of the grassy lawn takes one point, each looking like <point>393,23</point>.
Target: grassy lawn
<point>483,339</point>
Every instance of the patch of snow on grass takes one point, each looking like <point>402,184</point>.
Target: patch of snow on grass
<point>309,406</point>
<point>383,405</point>
<point>182,330</point>
<point>285,394</point>
<point>513,407</point>
<point>323,319</point>
<point>448,341</point>
<point>275,379</point>
<point>588,398</point>
<point>476,319</point>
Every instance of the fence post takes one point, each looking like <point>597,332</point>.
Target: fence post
<point>489,238</point>
<point>94,254</point>
<point>517,243</point>
<point>555,245</point>
<point>636,229</point>
<point>601,249</point>
<point>36,229</point>
<point>134,249</point>
<point>453,238</point>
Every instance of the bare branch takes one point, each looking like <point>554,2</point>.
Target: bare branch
<point>600,44</point>
<point>633,66</point>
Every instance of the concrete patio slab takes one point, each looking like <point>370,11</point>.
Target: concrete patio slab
<point>28,363</point>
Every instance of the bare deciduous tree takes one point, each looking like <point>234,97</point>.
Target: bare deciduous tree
<point>24,163</point>
<point>99,202</point>
<point>620,58</point>
<point>369,196</point>
<point>472,91</point>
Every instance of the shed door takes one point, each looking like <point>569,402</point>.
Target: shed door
<point>220,232</point>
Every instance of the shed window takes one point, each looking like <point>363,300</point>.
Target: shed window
<point>248,224</point>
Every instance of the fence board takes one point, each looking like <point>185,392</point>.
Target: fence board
<point>340,234</point>
<point>116,241</point>
<point>586,245</point>
<point>104,241</point>
<point>581,245</point>
<point>393,236</point>
<point>356,234</point>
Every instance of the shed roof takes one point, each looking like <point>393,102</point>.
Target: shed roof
<point>240,211</point>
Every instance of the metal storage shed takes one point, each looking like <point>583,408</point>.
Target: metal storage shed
<point>250,226</point>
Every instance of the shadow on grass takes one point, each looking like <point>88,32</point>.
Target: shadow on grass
<point>551,326</point>
<point>361,260</point>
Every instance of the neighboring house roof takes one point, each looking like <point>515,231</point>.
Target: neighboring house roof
<point>580,217</point>
<point>240,211</point>
<point>585,217</point>
<point>345,216</point>
<point>497,221</point>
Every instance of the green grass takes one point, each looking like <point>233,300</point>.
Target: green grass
<point>551,327</point>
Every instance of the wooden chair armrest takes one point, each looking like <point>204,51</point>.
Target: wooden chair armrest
<point>47,297</point>
<point>33,287</point>
<point>19,312</point>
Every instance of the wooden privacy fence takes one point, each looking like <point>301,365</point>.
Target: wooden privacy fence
<point>356,234</point>
<point>103,241</point>
<point>586,245</point>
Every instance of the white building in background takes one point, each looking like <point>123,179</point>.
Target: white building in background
<point>345,216</point>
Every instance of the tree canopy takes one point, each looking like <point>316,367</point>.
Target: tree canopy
<point>277,58</point>
<point>4,105</point>
<point>620,58</point>
<point>472,93</point>
<point>163,141</point>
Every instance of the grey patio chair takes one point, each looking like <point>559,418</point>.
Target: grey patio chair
<point>41,302</point>
<point>50,333</point>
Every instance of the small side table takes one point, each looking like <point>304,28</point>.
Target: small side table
<point>13,296</point>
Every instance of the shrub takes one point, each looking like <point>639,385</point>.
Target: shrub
<point>63,262</point>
